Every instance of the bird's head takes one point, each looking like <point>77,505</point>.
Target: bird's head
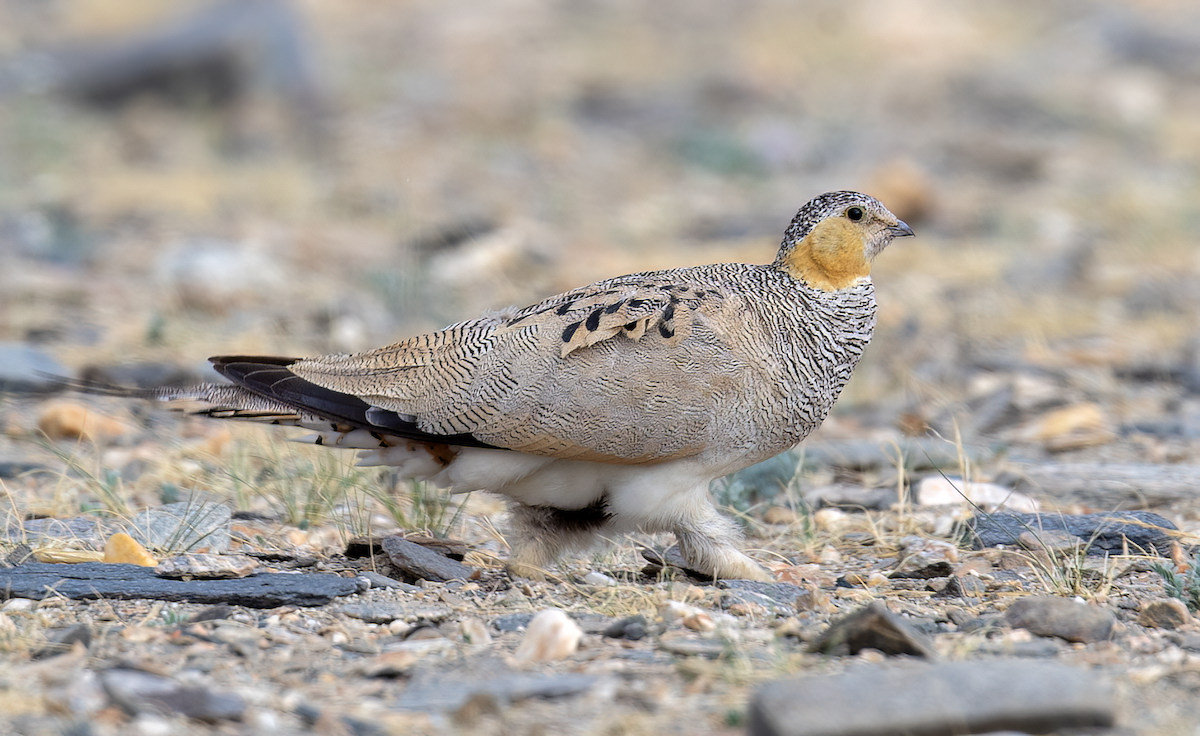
<point>833,239</point>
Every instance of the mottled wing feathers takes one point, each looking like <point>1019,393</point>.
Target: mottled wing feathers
<point>588,316</point>
<point>523,379</point>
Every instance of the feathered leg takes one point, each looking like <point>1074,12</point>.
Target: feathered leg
<point>539,535</point>
<point>708,543</point>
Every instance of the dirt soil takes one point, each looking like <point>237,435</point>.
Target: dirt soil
<point>374,170</point>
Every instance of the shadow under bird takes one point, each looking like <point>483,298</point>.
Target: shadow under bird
<point>606,409</point>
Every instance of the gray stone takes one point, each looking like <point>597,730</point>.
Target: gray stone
<point>670,558</point>
<point>506,687</point>
<point>1105,534</point>
<point>1062,617</point>
<point>938,569</point>
<point>851,496</point>
<point>376,613</point>
<point>706,648</point>
<point>422,562</point>
<point>62,640</point>
<point>240,639</point>
<point>383,612</point>
<point>187,526</point>
<point>963,586</point>
<point>985,624</point>
<point>934,700</point>
<point>383,581</point>
<point>17,468</point>
<point>873,627</point>
<point>219,612</point>
<point>26,369</point>
<point>1040,648</point>
<point>776,597</point>
<point>512,621</point>
<point>84,529</point>
<point>917,453</point>
<point>1050,540</point>
<point>17,555</point>
<point>334,722</point>
<point>632,628</point>
<point>135,691</point>
<point>97,580</point>
<point>593,623</point>
<point>1188,640</point>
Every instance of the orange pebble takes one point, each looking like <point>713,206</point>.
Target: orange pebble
<point>121,547</point>
<point>67,421</point>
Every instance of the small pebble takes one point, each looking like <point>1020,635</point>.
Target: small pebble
<point>1061,617</point>
<point>632,628</point>
<point>926,551</point>
<point>121,547</point>
<point>1167,613</point>
<point>598,578</point>
<point>141,634</point>
<point>675,611</point>
<point>805,574</point>
<point>830,520</point>
<point>814,599</point>
<point>398,627</point>
<point>780,515</point>
<point>699,621</point>
<point>829,556</point>
<point>390,664</point>
<point>475,632</point>
<point>551,635</point>
<point>70,421</point>
<point>17,605</point>
<point>748,608</point>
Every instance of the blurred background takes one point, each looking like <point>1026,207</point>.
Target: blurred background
<point>194,178</point>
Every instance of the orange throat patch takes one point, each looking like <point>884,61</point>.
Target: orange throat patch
<point>829,258</point>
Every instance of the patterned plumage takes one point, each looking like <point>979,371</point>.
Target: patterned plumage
<point>609,408</point>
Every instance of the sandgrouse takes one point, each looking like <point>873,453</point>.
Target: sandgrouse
<point>609,408</point>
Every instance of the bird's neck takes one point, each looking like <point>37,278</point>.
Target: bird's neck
<point>830,258</point>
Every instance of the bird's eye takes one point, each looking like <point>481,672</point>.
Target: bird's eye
<point>855,213</point>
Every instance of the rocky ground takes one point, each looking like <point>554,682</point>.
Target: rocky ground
<point>333,176</point>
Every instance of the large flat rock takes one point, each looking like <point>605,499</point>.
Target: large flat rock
<point>1115,532</point>
<point>93,580</point>
<point>935,700</point>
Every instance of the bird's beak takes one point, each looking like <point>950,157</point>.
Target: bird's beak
<point>900,229</point>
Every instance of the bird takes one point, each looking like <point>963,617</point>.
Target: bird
<point>606,409</point>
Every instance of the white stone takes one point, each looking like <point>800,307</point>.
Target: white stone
<point>398,627</point>
<point>475,632</point>
<point>598,578</point>
<point>17,605</point>
<point>829,555</point>
<point>551,635</point>
<point>937,490</point>
<point>676,610</point>
<point>150,724</point>
<point>830,519</point>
